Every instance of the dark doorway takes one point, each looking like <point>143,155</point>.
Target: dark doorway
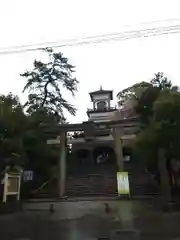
<point>93,178</point>
<point>104,155</point>
<point>82,156</point>
<point>101,106</point>
<point>82,153</point>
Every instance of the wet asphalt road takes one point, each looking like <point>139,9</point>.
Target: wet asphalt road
<point>90,220</point>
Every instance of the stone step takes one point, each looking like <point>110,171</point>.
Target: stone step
<point>91,184</point>
<point>101,183</point>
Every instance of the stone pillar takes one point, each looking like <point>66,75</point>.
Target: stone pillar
<point>109,105</point>
<point>117,134</point>
<point>164,177</point>
<point>62,166</point>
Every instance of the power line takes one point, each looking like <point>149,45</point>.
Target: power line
<point>83,38</point>
<point>101,38</point>
<point>74,42</point>
<point>125,35</point>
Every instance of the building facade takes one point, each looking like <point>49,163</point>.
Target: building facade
<point>102,111</point>
<point>94,159</point>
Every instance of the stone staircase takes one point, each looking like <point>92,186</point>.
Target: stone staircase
<point>106,184</point>
<point>100,181</point>
<point>92,184</point>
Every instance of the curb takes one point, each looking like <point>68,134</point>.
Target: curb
<point>81,199</point>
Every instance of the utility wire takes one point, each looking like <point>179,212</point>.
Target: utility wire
<point>75,41</point>
<point>99,38</point>
<point>125,35</point>
<point>90,37</point>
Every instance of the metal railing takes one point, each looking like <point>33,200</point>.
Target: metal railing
<point>107,109</point>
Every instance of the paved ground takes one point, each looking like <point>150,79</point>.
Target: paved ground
<point>88,220</point>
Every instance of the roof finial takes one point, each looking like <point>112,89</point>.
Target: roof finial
<point>101,87</point>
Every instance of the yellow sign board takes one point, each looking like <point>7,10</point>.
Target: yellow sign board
<point>123,183</point>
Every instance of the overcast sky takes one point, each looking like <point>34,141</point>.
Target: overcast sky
<point>114,65</point>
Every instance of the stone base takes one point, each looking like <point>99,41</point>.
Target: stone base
<point>171,207</point>
<point>63,198</point>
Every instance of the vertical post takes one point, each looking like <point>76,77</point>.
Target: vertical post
<point>93,105</point>
<point>19,187</point>
<point>109,104</point>
<point>118,148</point>
<point>5,188</point>
<point>62,165</point>
<point>164,177</point>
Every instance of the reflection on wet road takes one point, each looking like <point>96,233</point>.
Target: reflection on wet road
<point>88,220</point>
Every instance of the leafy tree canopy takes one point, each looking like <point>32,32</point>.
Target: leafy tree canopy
<point>157,104</point>
<point>12,127</point>
<point>47,82</point>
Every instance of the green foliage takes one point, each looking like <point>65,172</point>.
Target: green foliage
<point>132,93</point>
<point>145,104</point>
<point>157,106</point>
<point>166,113</point>
<point>163,129</point>
<point>161,82</point>
<point>47,82</point>
<point>12,126</point>
<point>22,139</point>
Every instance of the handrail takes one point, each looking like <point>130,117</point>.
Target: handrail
<point>42,186</point>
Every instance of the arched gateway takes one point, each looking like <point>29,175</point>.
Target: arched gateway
<point>96,151</point>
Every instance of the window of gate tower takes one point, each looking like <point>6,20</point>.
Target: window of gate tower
<point>101,105</point>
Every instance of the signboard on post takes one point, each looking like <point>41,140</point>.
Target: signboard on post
<point>12,182</point>
<point>27,176</point>
<point>123,183</point>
